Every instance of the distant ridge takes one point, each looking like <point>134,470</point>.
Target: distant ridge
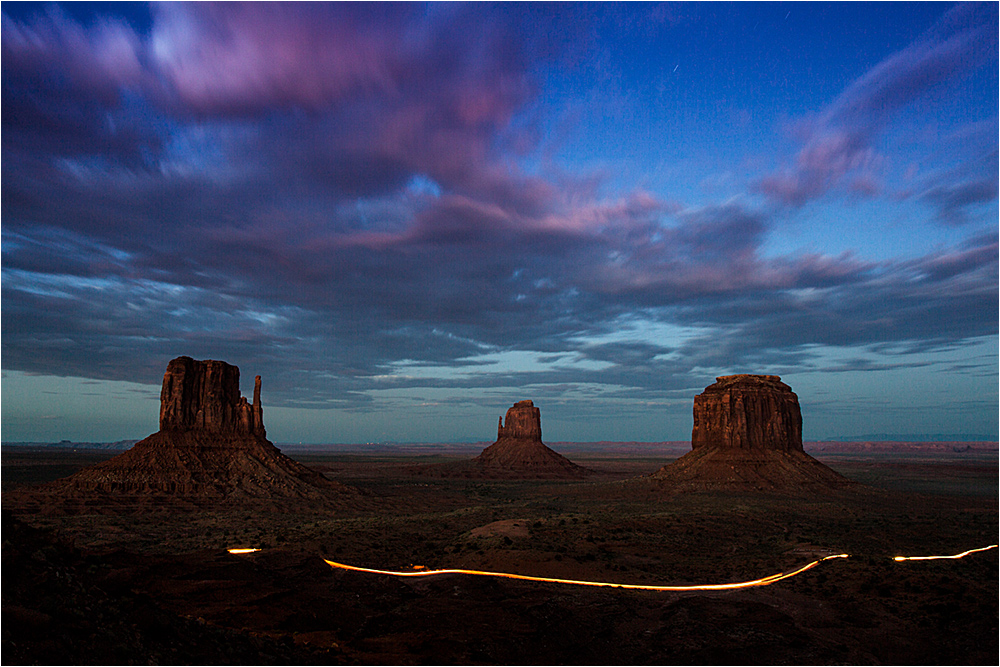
<point>913,437</point>
<point>902,447</point>
<point>118,445</point>
<point>590,446</point>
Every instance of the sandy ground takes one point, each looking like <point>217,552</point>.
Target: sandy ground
<point>283,604</point>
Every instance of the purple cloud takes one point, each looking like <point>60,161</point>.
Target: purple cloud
<point>952,199</point>
<point>421,98</point>
<point>247,58</point>
<point>55,50</point>
<point>838,143</point>
<point>63,92</point>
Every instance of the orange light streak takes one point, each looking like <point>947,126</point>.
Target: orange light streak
<point>961,555</point>
<point>242,551</point>
<point>765,581</point>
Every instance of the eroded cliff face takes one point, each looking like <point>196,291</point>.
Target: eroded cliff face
<point>524,421</point>
<point>205,396</point>
<point>747,412</point>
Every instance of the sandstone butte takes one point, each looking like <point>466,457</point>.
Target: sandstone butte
<point>518,453</point>
<point>211,449</point>
<point>747,435</point>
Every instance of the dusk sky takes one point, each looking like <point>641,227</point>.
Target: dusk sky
<point>407,217</point>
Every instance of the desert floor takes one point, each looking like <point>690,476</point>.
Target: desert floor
<point>158,586</point>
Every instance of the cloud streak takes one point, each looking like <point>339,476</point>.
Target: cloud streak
<point>838,148</point>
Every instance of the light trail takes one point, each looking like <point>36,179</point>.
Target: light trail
<point>956,556</point>
<point>421,571</point>
<point>765,581</point>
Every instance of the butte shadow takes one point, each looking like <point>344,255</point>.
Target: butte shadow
<point>747,436</point>
<point>211,451</point>
<point>518,453</point>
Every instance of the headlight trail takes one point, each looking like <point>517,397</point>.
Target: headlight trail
<point>421,571</point>
<point>961,555</point>
<point>765,581</point>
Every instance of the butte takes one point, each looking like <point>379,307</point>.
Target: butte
<point>518,453</point>
<point>211,450</point>
<point>747,436</point>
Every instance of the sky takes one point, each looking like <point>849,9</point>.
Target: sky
<point>407,217</point>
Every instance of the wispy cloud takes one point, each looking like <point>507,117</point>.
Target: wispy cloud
<point>839,144</point>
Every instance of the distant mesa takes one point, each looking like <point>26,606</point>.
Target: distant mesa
<point>747,435</point>
<point>211,448</point>
<point>518,453</point>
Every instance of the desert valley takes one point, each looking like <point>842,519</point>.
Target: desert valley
<point>723,276</point>
<point>129,558</point>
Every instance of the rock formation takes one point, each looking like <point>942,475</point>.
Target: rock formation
<point>747,412</point>
<point>518,452</point>
<point>524,421</point>
<point>211,448</point>
<point>205,396</point>
<point>747,434</point>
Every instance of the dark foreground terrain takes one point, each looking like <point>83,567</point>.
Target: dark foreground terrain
<point>159,586</point>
